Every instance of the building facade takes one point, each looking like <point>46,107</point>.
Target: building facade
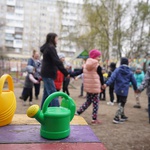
<point>24,25</point>
<point>71,16</point>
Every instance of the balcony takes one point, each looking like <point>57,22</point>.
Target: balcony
<point>17,43</point>
<point>18,36</point>
<point>9,43</point>
<point>19,11</point>
<point>19,30</point>
<point>11,2</point>
<point>9,38</point>
<point>19,24</point>
<point>10,30</point>
<point>12,16</point>
<point>14,23</point>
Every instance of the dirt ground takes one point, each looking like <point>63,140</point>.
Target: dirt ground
<point>131,135</point>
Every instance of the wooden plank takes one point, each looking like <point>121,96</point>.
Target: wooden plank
<point>24,119</point>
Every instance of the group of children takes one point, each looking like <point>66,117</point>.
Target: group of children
<point>138,75</point>
<point>31,79</point>
<point>118,79</point>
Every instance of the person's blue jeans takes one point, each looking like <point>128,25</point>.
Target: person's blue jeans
<point>49,88</point>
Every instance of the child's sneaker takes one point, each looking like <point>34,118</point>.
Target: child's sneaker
<point>110,103</point>
<point>24,103</point>
<point>117,120</point>
<point>36,97</point>
<point>114,100</point>
<point>80,96</point>
<point>30,103</point>
<point>103,99</point>
<point>76,113</point>
<point>95,122</point>
<point>137,106</point>
<point>21,97</point>
<point>124,118</point>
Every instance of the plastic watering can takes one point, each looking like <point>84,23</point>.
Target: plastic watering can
<point>7,100</point>
<point>55,121</point>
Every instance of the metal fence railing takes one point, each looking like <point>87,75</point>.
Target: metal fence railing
<point>14,67</point>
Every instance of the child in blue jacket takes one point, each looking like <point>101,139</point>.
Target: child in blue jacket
<point>122,77</point>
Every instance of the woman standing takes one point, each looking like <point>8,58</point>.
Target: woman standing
<point>37,74</point>
<point>50,64</point>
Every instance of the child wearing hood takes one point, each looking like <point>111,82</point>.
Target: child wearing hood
<point>93,80</point>
<point>139,76</point>
<point>122,77</point>
<point>28,85</point>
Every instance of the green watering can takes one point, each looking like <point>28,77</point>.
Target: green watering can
<point>55,121</point>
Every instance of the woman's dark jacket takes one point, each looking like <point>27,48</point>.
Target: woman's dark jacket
<point>51,62</point>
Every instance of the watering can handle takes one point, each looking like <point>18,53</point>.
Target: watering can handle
<point>51,97</point>
<point>10,82</point>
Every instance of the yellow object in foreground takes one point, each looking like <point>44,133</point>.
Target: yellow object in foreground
<point>32,110</point>
<point>24,119</point>
<point>7,100</point>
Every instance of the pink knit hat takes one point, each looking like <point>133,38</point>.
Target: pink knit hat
<point>94,53</point>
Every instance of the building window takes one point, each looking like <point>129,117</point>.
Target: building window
<point>10,9</point>
<point>9,36</point>
<point>17,50</point>
<point>9,43</point>
<point>10,49</point>
<point>18,36</point>
<point>19,29</point>
<point>18,41</point>
<point>19,3</point>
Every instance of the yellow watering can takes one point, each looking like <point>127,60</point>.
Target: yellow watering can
<point>7,100</point>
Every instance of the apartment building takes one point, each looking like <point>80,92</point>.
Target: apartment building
<point>25,23</point>
<point>71,17</point>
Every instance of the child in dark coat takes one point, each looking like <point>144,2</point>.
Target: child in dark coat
<point>102,95</point>
<point>28,85</point>
<point>111,87</point>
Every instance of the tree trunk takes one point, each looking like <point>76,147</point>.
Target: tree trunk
<point>110,8</point>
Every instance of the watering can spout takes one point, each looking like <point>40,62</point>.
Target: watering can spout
<point>35,112</point>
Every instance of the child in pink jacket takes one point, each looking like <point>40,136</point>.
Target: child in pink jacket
<point>93,80</point>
